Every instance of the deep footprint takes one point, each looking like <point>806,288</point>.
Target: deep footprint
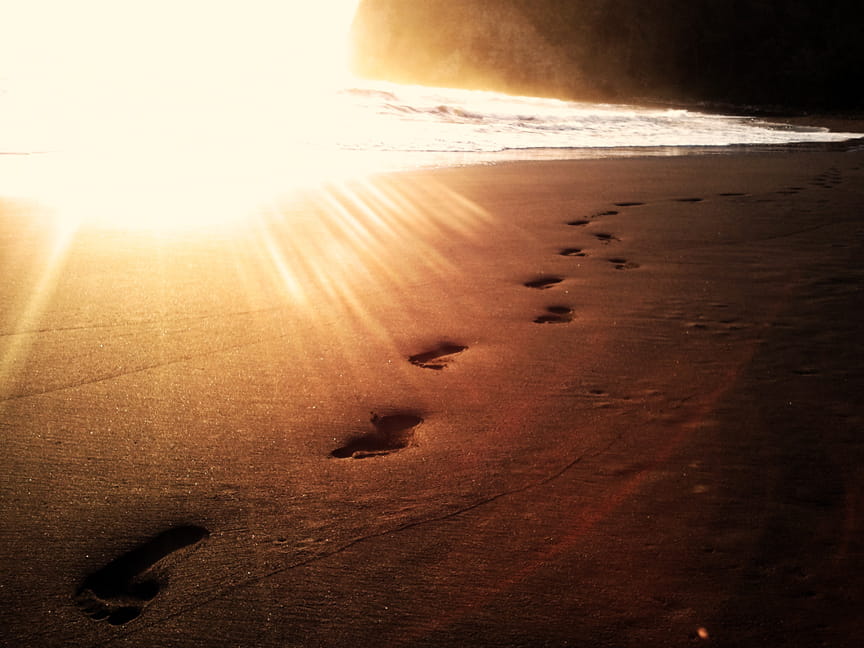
<point>555,315</point>
<point>391,433</point>
<point>115,593</point>
<point>628,204</point>
<point>572,252</point>
<point>439,357</point>
<point>689,200</point>
<point>605,238</point>
<point>542,283</point>
<point>579,223</point>
<point>623,264</point>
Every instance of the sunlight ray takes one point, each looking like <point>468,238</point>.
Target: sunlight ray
<point>25,327</point>
<point>331,249</point>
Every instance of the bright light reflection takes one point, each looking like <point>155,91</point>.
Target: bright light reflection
<point>166,115</point>
<point>337,266</point>
<point>169,114</point>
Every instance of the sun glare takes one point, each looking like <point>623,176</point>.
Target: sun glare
<point>163,112</point>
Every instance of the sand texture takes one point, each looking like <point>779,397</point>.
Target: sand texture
<point>586,403</point>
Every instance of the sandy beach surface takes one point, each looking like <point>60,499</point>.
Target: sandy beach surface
<point>584,403</point>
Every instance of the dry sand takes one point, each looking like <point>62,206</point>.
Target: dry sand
<point>352,423</point>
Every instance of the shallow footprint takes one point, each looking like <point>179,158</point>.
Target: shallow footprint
<point>115,593</point>
<point>555,315</point>
<point>623,264</point>
<point>628,204</point>
<point>439,357</point>
<point>689,200</point>
<point>542,283</point>
<point>391,433</point>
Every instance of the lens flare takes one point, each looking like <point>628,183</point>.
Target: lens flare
<point>166,114</point>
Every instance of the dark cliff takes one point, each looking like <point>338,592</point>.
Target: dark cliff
<point>784,53</point>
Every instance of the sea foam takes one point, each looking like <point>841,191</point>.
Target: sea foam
<point>411,118</point>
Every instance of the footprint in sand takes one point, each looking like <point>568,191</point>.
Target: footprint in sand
<point>603,237</point>
<point>542,283</point>
<point>391,433</point>
<point>555,315</point>
<point>120,591</point>
<point>623,264</point>
<point>572,252</point>
<point>689,200</point>
<point>730,194</point>
<point>628,204</point>
<point>827,180</point>
<point>439,357</point>
<point>580,222</point>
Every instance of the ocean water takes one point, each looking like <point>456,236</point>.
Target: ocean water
<point>411,118</point>
<point>179,148</point>
<point>393,118</point>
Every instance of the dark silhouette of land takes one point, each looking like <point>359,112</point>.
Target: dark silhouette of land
<point>772,54</point>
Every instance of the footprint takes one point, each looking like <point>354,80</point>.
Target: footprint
<point>579,223</point>
<point>628,204</point>
<point>555,315</point>
<point>623,264</point>
<point>689,200</point>
<point>608,212</point>
<point>573,252</point>
<point>440,356</point>
<point>393,432</point>
<point>827,180</point>
<point>541,283</point>
<point>605,238</point>
<point>732,193</point>
<point>116,593</point>
<point>806,371</point>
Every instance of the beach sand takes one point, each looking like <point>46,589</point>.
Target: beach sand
<point>583,403</point>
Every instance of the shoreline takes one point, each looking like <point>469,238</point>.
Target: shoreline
<point>508,156</point>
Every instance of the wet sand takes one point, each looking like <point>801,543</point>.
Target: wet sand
<point>593,403</point>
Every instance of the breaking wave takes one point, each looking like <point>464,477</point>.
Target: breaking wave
<point>411,118</point>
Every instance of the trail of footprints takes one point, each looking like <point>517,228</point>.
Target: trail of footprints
<point>121,590</point>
